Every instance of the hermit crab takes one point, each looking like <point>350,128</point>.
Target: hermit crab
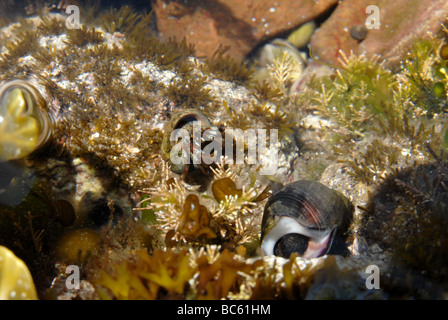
<point>304,217</point>
<point>25,124</point>
<point>191,142</point>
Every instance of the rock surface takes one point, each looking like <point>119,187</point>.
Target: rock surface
<point>244,25</point>
<point>399,22</point>
<point>238,24</point>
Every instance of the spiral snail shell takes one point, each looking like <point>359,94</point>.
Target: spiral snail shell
<point>194,130</point>
<point>25,124</point>
<point>304,217</point>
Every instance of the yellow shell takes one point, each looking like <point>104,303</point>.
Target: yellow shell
<point>279,53</point>
<point>16,282</point>
<point>25,125</point>
<point>76,245</point>
<point>302,35</point>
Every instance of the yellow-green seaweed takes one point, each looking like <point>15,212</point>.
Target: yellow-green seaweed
<point>16,282</point>
<point>24,125</point>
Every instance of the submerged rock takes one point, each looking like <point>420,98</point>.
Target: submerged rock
<point>238,24</point>
<point>399,24</point>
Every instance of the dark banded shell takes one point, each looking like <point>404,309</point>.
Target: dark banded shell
<point>318,211</point>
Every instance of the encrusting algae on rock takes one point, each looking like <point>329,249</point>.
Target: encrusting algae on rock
<point>106,195</point>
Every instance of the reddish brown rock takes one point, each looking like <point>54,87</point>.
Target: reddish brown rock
<point>235,23</point>
<point>401,21</point>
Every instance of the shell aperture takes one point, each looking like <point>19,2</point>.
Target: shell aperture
<point>24,124</point>
<point>182,120</point>
<point>303,217</point>
<point>289,236</point>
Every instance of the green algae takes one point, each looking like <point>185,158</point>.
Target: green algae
<point>391,135</point>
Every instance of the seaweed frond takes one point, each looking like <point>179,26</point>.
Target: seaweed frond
<point>236,119</point>
<point>53,26</point>
<point>374,163</point>
<point>123,20</point>
<point>84,35</point>
<point>160,275</point>
<point>226,68</point>
<point>25,43</point>
<point>189,91</point>
<point>264,91</point>
<point>425,76</point>
<point>360,91</point>
<point>283,71</point>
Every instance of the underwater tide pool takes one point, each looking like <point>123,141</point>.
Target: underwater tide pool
<point>134,167</point>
